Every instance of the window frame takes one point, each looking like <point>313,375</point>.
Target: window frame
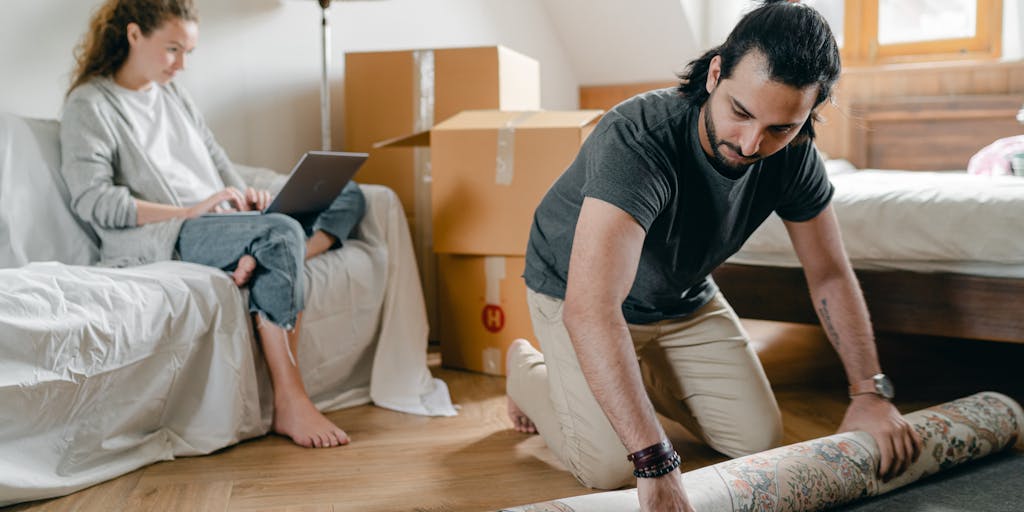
<point>861,48</point>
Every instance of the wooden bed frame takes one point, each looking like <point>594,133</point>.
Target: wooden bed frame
<point>947,305</point>
<point>923,133</point>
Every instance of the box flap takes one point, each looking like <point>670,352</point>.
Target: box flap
<point>561,118</point>
<point>405,141</point>
<point>497,119</point>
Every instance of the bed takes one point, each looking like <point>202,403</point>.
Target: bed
<point>936,252</point>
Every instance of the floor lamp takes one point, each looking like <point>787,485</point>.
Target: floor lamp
<point>325,86</point>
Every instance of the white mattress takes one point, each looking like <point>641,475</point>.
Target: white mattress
<point>920,221</point>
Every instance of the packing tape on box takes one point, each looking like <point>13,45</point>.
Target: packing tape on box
<point>504,166</point>
<point>424,94</point>
<point>423,89</point>
<point>423,120</point>
<point>827,472</point>
<point>494,272</point>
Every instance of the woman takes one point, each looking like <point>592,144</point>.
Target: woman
<point>143,169</point>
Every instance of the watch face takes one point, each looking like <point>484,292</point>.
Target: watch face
<point>884,386</point>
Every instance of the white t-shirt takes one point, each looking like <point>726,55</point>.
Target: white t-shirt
<point>171,141</point>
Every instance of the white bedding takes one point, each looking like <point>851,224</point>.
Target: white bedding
<point>921,221</point>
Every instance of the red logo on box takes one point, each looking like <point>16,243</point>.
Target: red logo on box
<point>493,318</point>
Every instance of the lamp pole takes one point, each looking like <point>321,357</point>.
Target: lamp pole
<point>325,90</point>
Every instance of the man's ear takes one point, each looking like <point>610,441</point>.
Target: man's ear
<point>134,33</point>
<point>714,73</point>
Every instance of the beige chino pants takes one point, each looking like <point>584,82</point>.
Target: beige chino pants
<point>699,371</point>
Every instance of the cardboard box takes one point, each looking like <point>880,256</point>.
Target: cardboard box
<point>490,171</point>
<point>394,93</point>
<point>482,303</point>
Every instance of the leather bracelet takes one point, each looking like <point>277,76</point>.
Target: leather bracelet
<point>665,467</point>
<point>655,452</point>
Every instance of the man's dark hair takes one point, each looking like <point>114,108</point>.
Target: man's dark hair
<point>797,44</point>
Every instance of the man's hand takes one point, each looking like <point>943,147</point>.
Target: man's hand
<point>665,493</point>
<point>898,442</point>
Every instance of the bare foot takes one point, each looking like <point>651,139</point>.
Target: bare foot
<point>520,421</point>
<point>318,244</point>
<point>307,426</point>
<point>243,270</point>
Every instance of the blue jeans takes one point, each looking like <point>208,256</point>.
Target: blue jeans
<point>277,242</point>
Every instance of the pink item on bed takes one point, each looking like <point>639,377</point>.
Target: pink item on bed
<point>994,159</point>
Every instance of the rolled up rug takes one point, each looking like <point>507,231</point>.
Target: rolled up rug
<point>831,471</point>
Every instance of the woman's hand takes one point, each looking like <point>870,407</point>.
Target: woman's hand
<point>231,195</point>
<point>258,199</point>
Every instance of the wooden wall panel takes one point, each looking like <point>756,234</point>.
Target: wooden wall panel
<point>604,97</point>
<point>930,133</point>
<point>861,86</point>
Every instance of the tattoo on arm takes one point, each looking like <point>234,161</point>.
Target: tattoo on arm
<point>826,320</point>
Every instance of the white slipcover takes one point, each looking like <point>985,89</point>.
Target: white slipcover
<point>105,370</point>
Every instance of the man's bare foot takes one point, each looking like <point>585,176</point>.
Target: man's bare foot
<point>243,270</point>
<point>520,421</point>
<point>307,426</point>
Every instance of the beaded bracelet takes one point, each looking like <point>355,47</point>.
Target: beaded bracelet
<point>667,466</point>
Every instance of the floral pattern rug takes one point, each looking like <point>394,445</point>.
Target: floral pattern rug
<point>830,471</point>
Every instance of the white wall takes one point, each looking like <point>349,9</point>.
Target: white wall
<point>1013,36</point>
<point>256,71</point>
<point>615,41</point>
<point>36,39</point>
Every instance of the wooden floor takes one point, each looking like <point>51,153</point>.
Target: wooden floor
<point>475,462</point>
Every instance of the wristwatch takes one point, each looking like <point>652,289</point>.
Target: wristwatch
<point>878,384</point>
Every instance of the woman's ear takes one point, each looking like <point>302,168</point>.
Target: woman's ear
<point>134,33</point>
<point>714,73</point>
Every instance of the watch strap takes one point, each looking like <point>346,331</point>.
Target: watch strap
<point>864,387</point>
<point>879,384</point>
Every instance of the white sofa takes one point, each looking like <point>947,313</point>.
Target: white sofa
<point>105,370</point>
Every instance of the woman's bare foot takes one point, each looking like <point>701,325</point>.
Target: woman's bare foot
<point>306,426</point>
<point>520,421</point>
<point>319,243</point>
<point>243,270</point>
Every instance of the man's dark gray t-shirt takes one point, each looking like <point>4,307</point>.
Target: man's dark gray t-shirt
<point>645,158</point>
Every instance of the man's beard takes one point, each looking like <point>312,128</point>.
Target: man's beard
<point>718,160</point>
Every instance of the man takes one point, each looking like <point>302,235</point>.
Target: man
<point>669,185</point>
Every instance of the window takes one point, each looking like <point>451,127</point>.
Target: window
<point>890,31</point>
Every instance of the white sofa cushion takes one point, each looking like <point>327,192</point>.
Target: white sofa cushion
<point>36,223</point>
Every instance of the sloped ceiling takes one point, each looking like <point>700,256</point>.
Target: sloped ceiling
<point>617,41</point>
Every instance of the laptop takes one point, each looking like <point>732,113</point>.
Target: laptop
<point>314,183</point>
